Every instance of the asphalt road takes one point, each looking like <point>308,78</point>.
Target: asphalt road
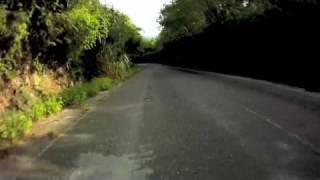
<point>174,124</point>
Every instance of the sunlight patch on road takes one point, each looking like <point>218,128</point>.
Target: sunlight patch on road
<point>96,166</point>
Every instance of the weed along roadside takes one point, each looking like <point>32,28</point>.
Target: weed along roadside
<point>17,125</point>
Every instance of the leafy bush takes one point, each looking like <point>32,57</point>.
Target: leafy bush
<point>54,34</point>
<point>13,36</point>
<point>121,67</point>
<point>3,29</point>
<point>98,84</point>
<point>53,105</point>
<point>46,107</point>
<point>80,92</point>
<point>15,125</point>
<point>92,89</point>
<point>112,65</point>
<point>37,110</point>
<point>103,83</point>
<point>92,22</point>
<point>82,36</point>
<point>74,95</point>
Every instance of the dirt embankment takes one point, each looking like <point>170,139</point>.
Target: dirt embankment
<point>24,87</point>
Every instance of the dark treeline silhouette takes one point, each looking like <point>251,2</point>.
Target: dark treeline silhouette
<point>280,46</point>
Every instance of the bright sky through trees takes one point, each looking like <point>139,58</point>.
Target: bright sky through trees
<point>144,13</point>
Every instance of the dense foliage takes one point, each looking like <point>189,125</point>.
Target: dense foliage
<point>50,50</point>
<point>16,123</point>
<point>189,17</point>
<point>63,33</point>
<point>265,39</point>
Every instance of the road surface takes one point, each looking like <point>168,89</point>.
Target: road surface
<point>175,124</point>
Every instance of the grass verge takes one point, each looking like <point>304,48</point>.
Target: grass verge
<point>16,123</point>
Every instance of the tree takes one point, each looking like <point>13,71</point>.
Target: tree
<point>187,17</point>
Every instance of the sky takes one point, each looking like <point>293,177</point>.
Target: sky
<point>144,13</point>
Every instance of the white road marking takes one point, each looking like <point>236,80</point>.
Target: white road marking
<point>278,126</point>
<point>55,140</point>
<point>48,146</point>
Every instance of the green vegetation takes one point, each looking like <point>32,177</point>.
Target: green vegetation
<point>17,123</point>
<point>48,45</point>
<point>69,34</point>
<point>81,92</point>
<point>185,18</point>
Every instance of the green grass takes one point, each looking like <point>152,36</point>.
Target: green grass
<point>53,105</point>
<point>16,123</point>
<point>74,95</point>
<point>37,110</point>
<point>81,92</point>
